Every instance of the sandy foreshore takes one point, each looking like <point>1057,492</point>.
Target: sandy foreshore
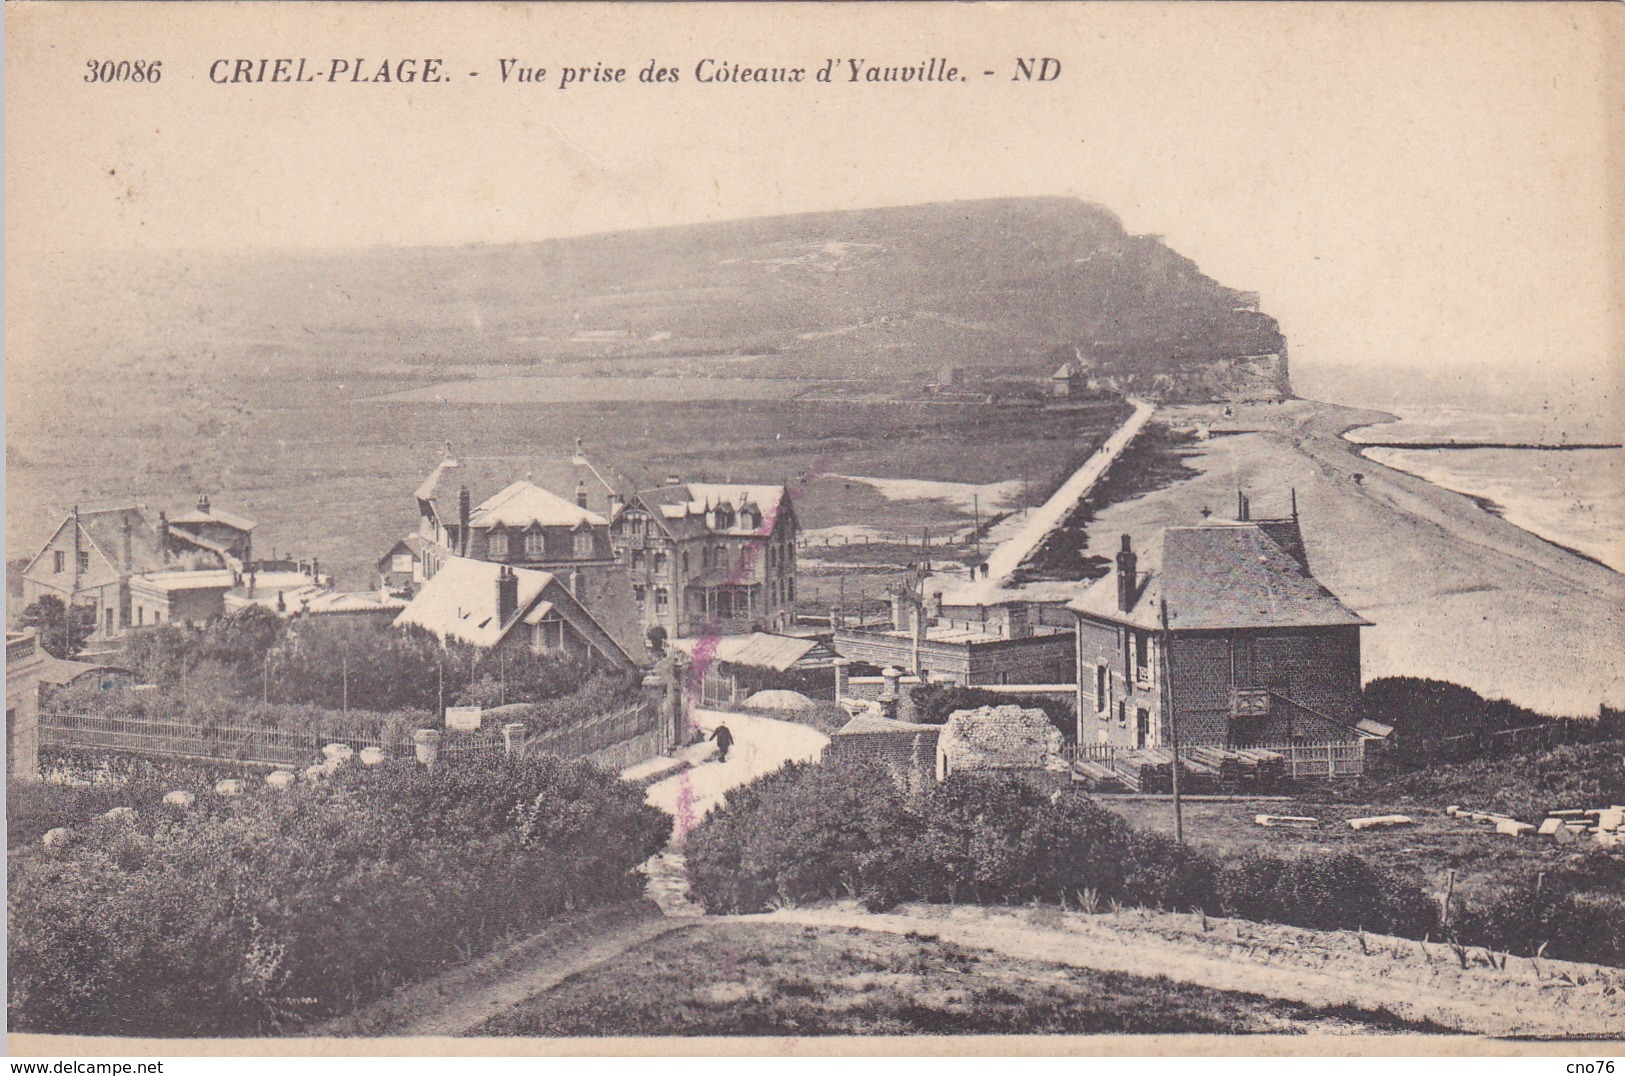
<point>1455,592</point>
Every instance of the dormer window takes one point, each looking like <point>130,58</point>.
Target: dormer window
<point>535,543</point>
<point>583,544</point>
<point>497,543</point>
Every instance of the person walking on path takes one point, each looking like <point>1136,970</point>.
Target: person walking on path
<point>725,740</point>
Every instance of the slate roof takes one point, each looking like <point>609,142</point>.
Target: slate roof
<point>212,579</point>
<point>682,509</point>
<point>106,529</point>
<point>487,475</point>
<point>762,650</point>
<point>522,503</point>
<point>1219,576</point>
<point>197,516</point>
<point>869,725</point>
<point>460,601</point>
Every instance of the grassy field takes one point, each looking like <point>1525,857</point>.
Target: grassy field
<point>328,470</point>
<point>769,979</point>
<point>1583,776</point>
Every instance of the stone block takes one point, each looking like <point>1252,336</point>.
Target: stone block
<point>372,756</point>
<point>1383,821</point>
<point>1291,821</point>
<point>1512,828</point>
<point>1550,827</point>
<point>228,786</point>
<point>120,814</point>
<point>280,778</point>
<point>179,798</point>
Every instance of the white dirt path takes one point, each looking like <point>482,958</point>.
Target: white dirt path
<point>1312,967</point>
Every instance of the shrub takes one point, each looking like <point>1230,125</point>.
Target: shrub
<point>1341,891</point>
<point>279,907</point>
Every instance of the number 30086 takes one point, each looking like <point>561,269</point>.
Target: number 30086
<point>124,70</point>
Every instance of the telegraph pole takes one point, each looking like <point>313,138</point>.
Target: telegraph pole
<point>1167,664</point>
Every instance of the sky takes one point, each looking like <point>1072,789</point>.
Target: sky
<point>1419,185</point>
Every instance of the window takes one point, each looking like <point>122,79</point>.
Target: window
<point>583,544</point>
<point>140,615</point>
<point>640,592</point>
<point>685,563</point>
<point>549,633</point>
<point>1122,714</point>
<point>497,543</point>
<point>661,597</point>
<point>660,562</point>
<point>536,543</point>
<point>400,562</point>
<point>790,588</point>
<point>1142,658</point>
<point>109,620</point>
<point>637,558</point>
<point>61,561</point>
<point>1103,683</point>
<point>84,560</point>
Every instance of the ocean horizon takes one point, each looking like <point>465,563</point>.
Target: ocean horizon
<point>1570,497</point>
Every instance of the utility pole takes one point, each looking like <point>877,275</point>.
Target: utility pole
<point>976,508</point>
<point>265,690</point>
<point>1167,693</point>
<point>344,682</point>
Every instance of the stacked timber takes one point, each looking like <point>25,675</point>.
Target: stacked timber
<point>1261,771</point>
<point>1226,765</point>
<point>1097,776</point>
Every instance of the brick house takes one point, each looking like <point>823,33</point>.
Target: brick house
<point>497,606</point>
<point>706,557</point>
<point>999,643</point>
<point>1259,651</point>
<point>474,508</point>
<point>92,558</point>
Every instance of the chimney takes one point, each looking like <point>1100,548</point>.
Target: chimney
<point>281,603</point>
<point>163,537</point>
<point>581,493</point>
<point>315,570</point>
<point>616,502</point>
<point>203,503</point>
<point>1244,507</point>
<point>126,556</point>
<point>1127,576</point>
<point>507,595</point>
<point>674,480</point>
<point>899,610</point>
<point>464,511</point>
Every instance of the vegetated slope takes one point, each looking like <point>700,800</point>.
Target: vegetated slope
<point>1000,285</point>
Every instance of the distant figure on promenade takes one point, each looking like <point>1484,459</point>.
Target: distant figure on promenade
<point>725,740</point>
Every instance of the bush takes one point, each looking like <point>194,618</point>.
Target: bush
<point>1335,892</point>
<point>276,908</point>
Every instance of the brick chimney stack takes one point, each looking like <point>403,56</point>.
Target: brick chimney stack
<point>203,503</point>
<point>464,511</point>
<point>126,556</point>
<point>507,594</point>
<point>581,493</point>
<point>1127,576</point>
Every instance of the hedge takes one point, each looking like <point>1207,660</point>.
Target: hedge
<point>264,912</point>
<point>853,827</point>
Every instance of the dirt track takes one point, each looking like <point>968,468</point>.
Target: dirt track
<point>1409,979</point>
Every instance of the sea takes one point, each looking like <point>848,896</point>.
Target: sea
<point>1570,496</point>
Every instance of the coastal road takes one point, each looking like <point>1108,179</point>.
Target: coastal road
<point>1043,520</point>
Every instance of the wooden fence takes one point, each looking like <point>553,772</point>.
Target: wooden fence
<point>1303,761</point>
<point>254,745</point>
<point>265,746</point>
